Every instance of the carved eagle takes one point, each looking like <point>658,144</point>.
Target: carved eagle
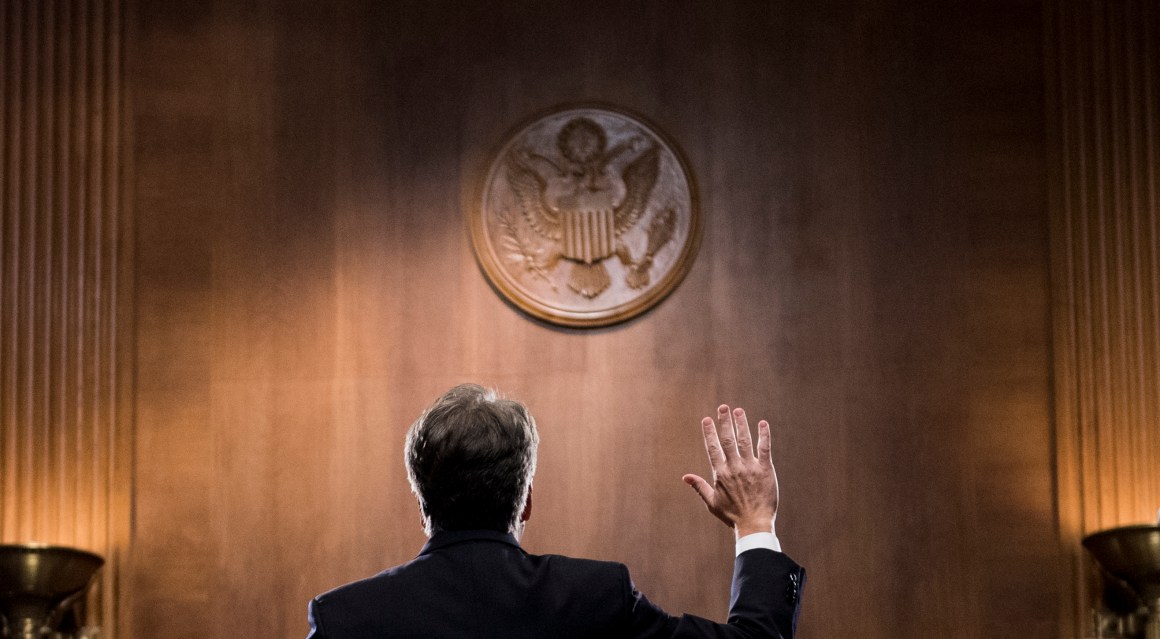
<point>585,236</point>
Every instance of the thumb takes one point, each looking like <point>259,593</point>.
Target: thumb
<point>700,485</point>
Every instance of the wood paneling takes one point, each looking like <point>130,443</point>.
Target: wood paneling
<point>873,279</point>
<point>64,424</point>
<point>1104,68</point>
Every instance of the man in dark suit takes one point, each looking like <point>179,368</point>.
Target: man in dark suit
<point>470,458</point>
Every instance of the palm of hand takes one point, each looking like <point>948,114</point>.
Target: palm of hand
<point>744,492</point>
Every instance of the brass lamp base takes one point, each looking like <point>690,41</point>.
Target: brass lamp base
<point>39,585</point>
<point>1132,554</point>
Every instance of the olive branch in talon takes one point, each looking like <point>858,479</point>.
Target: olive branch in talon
<point>519,251</point>
<point>660,233</point>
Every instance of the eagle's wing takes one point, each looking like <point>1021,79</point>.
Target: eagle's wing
<point>640,176</point>
<point>529,189</point>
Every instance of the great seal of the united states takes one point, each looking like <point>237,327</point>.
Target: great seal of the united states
<point>587,216</point>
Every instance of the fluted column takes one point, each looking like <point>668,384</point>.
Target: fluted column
<point>1103,72</point>
<point>65,464</point>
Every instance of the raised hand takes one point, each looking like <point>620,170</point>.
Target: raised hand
<point>743,493</point>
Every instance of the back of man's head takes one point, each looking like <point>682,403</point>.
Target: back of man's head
<point>470,458</point>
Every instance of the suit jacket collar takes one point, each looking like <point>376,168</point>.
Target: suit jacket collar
<point>445,538</point>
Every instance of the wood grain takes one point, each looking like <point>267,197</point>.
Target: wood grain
<point>873,279</point>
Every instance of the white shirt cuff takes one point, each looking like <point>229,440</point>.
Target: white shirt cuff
<point>766,540</point>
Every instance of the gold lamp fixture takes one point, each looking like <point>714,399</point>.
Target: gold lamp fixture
<point>1131,554</point>
<point>42,589</point>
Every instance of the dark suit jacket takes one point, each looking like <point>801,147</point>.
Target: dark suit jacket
<point>482,584</point>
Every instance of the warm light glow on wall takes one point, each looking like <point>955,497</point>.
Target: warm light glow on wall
<point>1105,123</point>
<point>64,446</point>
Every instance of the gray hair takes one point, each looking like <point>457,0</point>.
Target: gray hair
<point>470,458</point>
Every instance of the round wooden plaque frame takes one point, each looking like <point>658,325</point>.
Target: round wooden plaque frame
<point>586,216</point>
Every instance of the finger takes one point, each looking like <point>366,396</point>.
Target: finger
<point>744,443</point>
<point>704,490</point>
<point>712,444</point>
<point>763,443</point>
<point>726,433</point>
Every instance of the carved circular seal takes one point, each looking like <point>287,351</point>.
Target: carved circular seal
<point>587,216</point>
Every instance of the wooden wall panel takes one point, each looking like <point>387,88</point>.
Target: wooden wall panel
<point>65,465</point>
<point>1104,68</point>
<point>873,279</point>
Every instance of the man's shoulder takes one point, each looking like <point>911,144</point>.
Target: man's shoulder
<point>567,563</point>
<point>418,571</point>
<point>390,578</point>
